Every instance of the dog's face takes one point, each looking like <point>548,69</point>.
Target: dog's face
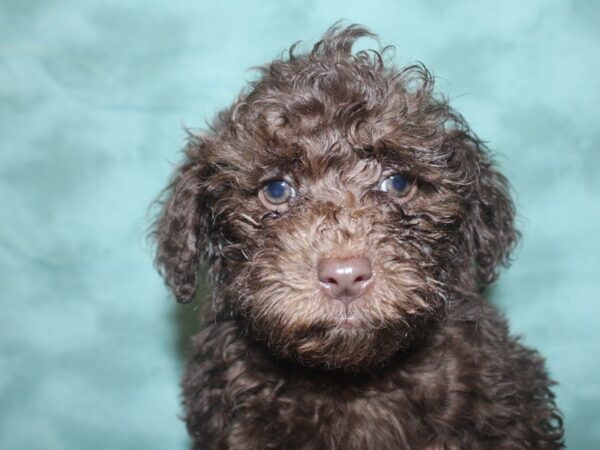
<point>340,207</point>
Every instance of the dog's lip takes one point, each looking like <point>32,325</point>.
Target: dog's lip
<point>349,320</point>
<point>344,316</point>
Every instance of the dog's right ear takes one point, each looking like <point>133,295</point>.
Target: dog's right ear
<point>182,227</point>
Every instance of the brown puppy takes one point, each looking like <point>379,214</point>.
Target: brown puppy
<point>349,220</point>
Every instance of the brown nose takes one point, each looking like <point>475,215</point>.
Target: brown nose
<point>345,279</point>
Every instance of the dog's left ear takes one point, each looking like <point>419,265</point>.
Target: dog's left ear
<point>182,228</point>
<point>491,223</point>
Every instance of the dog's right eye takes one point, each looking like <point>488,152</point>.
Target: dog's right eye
<point>399,186</point>
<point>276,193</point>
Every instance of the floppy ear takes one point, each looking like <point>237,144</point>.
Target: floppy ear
<point>182,228</point>
<point>491,227</point>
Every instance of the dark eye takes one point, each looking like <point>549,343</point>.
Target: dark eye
<point>276,192</point>
<point>398,185</point>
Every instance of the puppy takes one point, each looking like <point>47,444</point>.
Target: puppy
<point>349,221</point>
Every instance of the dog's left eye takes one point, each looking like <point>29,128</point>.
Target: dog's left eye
<point>397,184</point>
<point>276,193</point>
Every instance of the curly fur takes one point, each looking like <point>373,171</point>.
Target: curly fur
<point>432,365</point>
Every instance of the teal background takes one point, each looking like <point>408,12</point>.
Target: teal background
<point>94,96</point>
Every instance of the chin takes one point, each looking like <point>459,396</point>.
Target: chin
<point>347,344</point>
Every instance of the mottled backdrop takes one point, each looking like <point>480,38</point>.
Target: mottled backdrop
<point>94,98</point>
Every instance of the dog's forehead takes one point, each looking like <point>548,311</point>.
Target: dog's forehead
<point>335,161</point>
<point>332,151</point>
<point>328,138</point>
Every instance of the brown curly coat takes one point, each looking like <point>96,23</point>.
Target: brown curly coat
<point>430,364</point>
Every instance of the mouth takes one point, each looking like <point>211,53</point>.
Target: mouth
<point>349,320</point>
<point>345,316</point>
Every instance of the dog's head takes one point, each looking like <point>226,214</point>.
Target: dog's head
<point>339,204</point>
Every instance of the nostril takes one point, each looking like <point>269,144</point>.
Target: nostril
<point>345,279</point>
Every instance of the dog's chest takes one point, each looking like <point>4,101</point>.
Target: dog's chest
<point>239,397</point>
<point>348,417</point>
<point>332,413</point>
